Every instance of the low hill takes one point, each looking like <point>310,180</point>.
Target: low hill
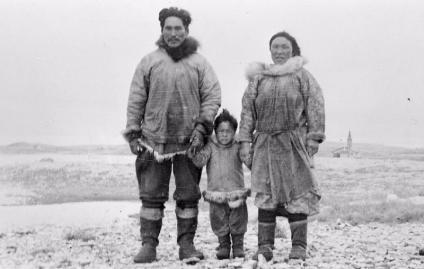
<point>34,148</point>
<point>365,150</point>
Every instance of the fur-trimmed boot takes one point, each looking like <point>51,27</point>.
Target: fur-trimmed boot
<point>224,248</point>
<point>266,236</point>
<point>186,229</point>
<point>238,245</point>
<point>299,231</point>
<point>149,230</point>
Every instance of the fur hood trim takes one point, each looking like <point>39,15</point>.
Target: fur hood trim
<point>159,157</point>
<point>291,66</point>
<point>187,48</point>
<point>233,198</point>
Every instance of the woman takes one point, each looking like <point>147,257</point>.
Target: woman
<point>283,117</point>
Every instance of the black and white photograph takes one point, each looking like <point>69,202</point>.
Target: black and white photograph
<point>239,134</point>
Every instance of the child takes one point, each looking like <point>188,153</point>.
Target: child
<point>225,191</point>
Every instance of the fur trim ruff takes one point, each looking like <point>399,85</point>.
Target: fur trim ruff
<point>159,157</point>
<point>151,213</point>
<point>291,66</point>
<point>187,48</point>
<point>233,198</point>
<point>186,213</point>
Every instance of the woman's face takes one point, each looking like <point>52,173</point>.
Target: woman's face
<point>225,133</point>
<point>281,50</point>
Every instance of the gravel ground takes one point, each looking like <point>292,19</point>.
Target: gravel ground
<point>113,243</point>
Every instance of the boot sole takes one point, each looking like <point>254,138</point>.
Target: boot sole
<point>144,261</point>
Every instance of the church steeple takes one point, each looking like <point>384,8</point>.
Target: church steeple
<point>349,143</point>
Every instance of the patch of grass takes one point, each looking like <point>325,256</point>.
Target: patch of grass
<point>354,190</point>
<point>393,212</point>
<point>72,182</point>
<point>42,251</point>
<point>84,235</point>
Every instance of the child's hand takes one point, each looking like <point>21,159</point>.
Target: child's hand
<point>248,163</point>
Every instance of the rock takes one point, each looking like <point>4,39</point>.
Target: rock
<point>23,233</point>
<point>250,264</point>
<point>421,252</point>
<point>64,263</point>
<point>47,160</point>
<point>11,249</point>
<point>391,197</point>
<point>191,261</point>
<point>222,263</point>
<point>262,263</point>
<point>84,262</point>
<point>235,264</point>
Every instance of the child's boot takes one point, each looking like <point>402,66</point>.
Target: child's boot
<point>238,250</point>
<point>224,248</point>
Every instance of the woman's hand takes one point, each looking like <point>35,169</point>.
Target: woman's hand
<point>312,147</point>
<point>245,154</point>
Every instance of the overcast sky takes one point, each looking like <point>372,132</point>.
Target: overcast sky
<point>66,66</point>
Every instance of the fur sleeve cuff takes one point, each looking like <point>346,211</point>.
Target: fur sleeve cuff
<point>316,136</point>
<point>131,132</point>
<point>199,127</point>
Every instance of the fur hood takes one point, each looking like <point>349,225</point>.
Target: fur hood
<point>187,48</point>
<point>291,66</point>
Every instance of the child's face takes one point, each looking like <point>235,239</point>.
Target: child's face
<point>225,133</point>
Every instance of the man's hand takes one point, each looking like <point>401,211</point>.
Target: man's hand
<point>196,143</point>
<point>135,147</point>
<point>312,147</point>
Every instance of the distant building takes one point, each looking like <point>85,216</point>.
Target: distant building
<point>347,150</point>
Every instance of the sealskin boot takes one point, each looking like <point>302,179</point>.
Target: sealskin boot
<point>224,248</point>
<point>186,229</point>
<point>266,236</point>
<point>238,249</point>
<point>149,230</point>
<point>299,231</point>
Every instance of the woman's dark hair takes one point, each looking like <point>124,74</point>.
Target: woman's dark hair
<point>295,46</point>
<point>183,14</point>
<point>225,116</point>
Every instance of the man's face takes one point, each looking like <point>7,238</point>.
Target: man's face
<point>174,33</point>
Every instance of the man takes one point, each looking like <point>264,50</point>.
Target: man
<point>174,97</point>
